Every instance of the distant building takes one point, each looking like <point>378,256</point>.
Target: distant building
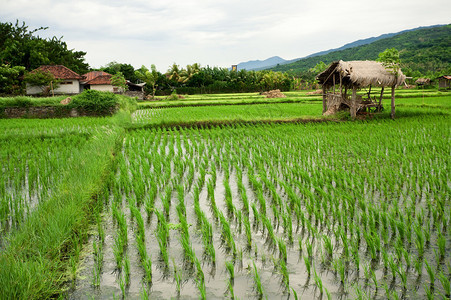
<point>69,80</point>
<point>99,81</point>
<point>444,82</point>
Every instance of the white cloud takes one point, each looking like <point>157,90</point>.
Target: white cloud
<point>216,32</point>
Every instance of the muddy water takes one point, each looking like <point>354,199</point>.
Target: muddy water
<point>163,285</point>
<point>264,255</point>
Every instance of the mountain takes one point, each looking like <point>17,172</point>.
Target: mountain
<point>276,60</point>
<point>424,50</point>
<point>364,42</point>
<point>261,64</point>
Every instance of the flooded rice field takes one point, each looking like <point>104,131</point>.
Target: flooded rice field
<point>273,211</point>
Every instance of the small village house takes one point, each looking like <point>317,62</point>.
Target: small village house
<point>342,76</point>
<point>69,80</point>
<point>99,81</point>
<point>444,82</point>
<point>73,83</point>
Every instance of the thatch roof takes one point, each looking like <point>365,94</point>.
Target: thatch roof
<point>360,74</point>
<point>423,81</point>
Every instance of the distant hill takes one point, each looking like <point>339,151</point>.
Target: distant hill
<point>261,64</point>
<point>423,50</point>
<point>364,42</point>
<point>276,60</point>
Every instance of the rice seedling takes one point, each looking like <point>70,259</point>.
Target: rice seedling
<point>118,250</point>
<point>230,267</point>
<point>441,242</point>
<point>429,292</point>
<point>319,284</point>
<point>285,274</point>
<point>445,284</point>
<point>147,265</point>
<point>419,266</point>
<point>308,265</point>
<point>257,282</point>
<point>431,274</point>
<point>177,277</point>
<point>127,270</point>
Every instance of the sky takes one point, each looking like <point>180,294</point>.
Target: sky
<point>216,32</point>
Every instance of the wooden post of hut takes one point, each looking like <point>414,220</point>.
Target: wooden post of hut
<point>379,106</point>
<point>392,114</point>
<point>353,108</point>
<point>324,99</point>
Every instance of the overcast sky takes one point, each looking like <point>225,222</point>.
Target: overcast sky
<point>216,32</point>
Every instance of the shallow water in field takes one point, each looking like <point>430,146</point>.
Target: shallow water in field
<point>322,196</point>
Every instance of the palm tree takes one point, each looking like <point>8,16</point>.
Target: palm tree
<point>149,77</point>
<point>173,72</point>
<point>185,75</point>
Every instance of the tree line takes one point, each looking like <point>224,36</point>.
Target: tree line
<point>23,50</point>
<point>195,79</point>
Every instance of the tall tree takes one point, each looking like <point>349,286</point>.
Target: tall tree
<point>118,80</point>
<point>20,46</point>
<point>390,60</point>
<point>149,77</point>
<point>10,82</point>
<point>173,72</point>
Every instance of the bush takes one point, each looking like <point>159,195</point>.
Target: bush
<point>96,101</point>
<point>20,101</point>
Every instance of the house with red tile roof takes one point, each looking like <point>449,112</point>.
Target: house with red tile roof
<point>98,80</point>
<point>69,80</point>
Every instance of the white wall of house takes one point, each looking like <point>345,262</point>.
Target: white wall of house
<point>102,87</point>
<point>65,87</point>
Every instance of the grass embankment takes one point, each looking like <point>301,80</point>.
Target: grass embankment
<point>37,255</point>
<point>227,114</point>
<point>256,98</point>
<point>89,101</point>
<point>302,111</point>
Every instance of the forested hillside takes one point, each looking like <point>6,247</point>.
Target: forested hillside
<point>423,52</point>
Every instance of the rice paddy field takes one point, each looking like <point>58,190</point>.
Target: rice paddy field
<point>230,207</point>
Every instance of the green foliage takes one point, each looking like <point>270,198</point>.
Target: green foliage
<point>10,79</point>
<point>126,69</point>
<point>318,68</point>
<point>173,96</point>
<point>390,60</point>
<point>149,77</point>
<point>96,101</point>
<point>102,102</point>
<point>195,79</point>
<point>44,80</point>
<point>20,46</point>
<point>119,81</point>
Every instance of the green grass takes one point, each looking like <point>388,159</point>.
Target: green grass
<point>35,257</point>
<point>252,112</point>
<point>292,97</point>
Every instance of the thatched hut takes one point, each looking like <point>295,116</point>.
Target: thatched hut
<point>423,81</point>
<point>342,76</point>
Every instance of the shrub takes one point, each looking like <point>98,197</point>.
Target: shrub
<point>95,101</point>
